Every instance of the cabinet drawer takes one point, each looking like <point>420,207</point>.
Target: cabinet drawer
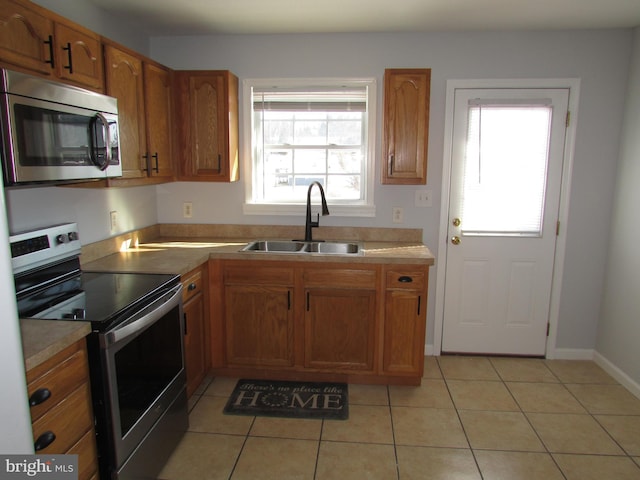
<point>406,279</point>
<point>69,420</point>
<point>87,455</point>
<point>65,375</point>
<point>257,275</point>
<point>191,285</point>
<point>340,278</point>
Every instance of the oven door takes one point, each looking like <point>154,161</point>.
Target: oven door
<point>144,373</point>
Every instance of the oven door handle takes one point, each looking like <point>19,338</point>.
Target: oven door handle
<point>145,317</point>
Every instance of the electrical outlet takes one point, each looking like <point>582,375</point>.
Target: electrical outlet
<point>113,221</point>
<point>423,198</point>
<point>187,209</point>
<point>397,215</point>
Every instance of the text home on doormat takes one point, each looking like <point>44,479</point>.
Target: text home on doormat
<point>289,399</point>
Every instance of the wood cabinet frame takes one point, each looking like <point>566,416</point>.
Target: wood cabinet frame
<point>405,139</point>
<point>358,287</point>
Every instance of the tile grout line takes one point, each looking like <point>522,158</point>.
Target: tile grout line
<point>464,430</point>
<point>593,416</point>
<point>244,443</point>
<point>315,468</point>
<point>524,414</point>
<point>393,434</point>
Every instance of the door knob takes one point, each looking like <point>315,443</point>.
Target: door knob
<point>456,222</point>
<point>455,240</point>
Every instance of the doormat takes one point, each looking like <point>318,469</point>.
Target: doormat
<point>268,398</point>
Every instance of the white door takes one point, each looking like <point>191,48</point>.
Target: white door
<point>506,171</point>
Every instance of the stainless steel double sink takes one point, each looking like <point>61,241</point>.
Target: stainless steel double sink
<point>301,247</point>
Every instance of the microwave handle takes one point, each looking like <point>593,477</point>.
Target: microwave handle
<point>100,119</point>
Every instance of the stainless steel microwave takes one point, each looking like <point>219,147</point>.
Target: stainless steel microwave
<point>56,133</point>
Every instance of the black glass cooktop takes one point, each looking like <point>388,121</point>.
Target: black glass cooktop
<point>111,295</point>
<point>103,298</point>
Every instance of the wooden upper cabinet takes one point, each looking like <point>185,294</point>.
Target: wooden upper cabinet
<point>79,53</point>
<point>144,93</point>
<point>158,106</point>
<point>37,41</point>
<point>26,38</point>
<point>207,113</point>
<point>406,126</point>
<point>124,81</point>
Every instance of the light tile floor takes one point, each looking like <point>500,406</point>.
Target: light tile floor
<point>472,418</point>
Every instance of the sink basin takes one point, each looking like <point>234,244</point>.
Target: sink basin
<point>274,246</point>
<point>333,247</point>
<point>294,246</point>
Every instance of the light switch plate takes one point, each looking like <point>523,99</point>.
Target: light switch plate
<point>187,209</point>
<point>423,198</point>
<point>397,215</point>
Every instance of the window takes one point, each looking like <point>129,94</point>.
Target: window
<point>506,158</point>
<point>301,131</point>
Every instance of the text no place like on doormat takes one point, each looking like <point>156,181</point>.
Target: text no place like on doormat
<point>289,399</point>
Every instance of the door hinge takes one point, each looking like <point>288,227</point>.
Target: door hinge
<point>548,327</point>
<point>568,119</point>
<point>557,228</point>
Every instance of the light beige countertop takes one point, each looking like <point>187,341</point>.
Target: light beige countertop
<point>42,339</point>
<point>182,255</point>
<point>178,249</point>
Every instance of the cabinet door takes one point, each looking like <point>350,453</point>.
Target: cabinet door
<point>124,80</point>
<point>79,56</point>
<point>406,125</point>
<point>158,102</point>
<point>26,38</point>
<point>259,325</point>
<point>340,329</point>
<point>194,342</point>
<point>405,322</point>
<point>207,108</point>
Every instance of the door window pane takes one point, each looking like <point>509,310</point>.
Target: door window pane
<point>505,169</point>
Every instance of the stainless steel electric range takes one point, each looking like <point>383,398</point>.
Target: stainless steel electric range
<point>136,357</point>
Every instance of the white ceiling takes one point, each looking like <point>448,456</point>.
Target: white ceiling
<point>195,17</point>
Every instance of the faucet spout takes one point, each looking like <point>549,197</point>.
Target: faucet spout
<point>309,224</point>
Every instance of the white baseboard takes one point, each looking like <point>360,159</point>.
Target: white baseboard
<point>572,354</point>
<point>624,379</point>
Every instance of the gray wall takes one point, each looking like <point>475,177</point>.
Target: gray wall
<point>599,58</point>
<point>85,13</point>
<point>619,329</point>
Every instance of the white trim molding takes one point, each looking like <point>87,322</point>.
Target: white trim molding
<point>624,379</point>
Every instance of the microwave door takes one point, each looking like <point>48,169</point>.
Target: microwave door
<point>59,143</point>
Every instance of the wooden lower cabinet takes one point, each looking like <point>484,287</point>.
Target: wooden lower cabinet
<point>258,315</point>
<point>340,329</point>
<point>61,409</point>
<point>404,321</point>
<point>317,321</point>
<point>340,318</point>
<point>259,325</point>
<point>196,327</point>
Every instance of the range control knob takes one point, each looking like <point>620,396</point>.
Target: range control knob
<point>73,236</point>
<point>62,238</point>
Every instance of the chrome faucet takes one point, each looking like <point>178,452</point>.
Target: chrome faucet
<point>325,211</point>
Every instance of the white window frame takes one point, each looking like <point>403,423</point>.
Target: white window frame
<point>364,208</point>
